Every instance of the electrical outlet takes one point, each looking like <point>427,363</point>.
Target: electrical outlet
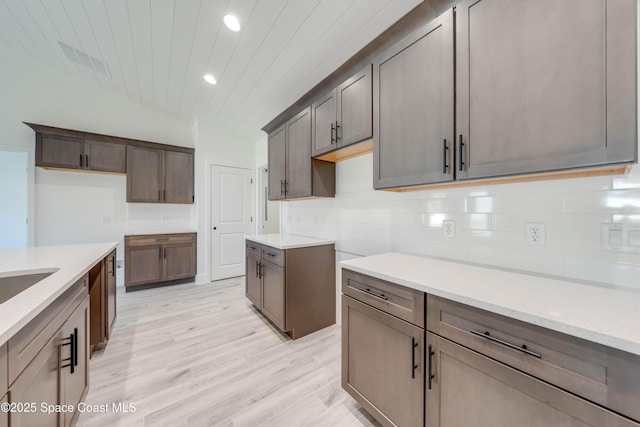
<point>449,228</point>
<point>535,233</point>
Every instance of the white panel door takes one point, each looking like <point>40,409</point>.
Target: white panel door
<point>230,220</point>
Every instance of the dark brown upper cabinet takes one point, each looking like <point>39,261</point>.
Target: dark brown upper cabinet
<point>292,172</point>
<point>344,115</point>
<point>544,85</point>
<point>66,152</point>
<point>413,109</point>
<point>159,176</point>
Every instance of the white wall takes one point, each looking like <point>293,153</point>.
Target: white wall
<point>70,207</point>
<point>13,194</point>
<point>215,145</point>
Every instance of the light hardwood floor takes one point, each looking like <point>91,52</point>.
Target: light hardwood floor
<point>202,355</point>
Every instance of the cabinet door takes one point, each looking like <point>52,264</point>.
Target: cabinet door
<point>105,157</point>
<point>469,389</point>
<point>178,177</point>
<point>38,383</point>
<point>413,108</point>
<point>277,163</point>
<point>382,364</point>
<point>299,181</point>
<point>144,172</point>
<point>544,85</point>
<point>179,260</point>
<point>253,285</point>
<point>4,416</point>
<point>143,264</point>
<point>354,109</point>
<point>60,152</point>
<point>273,293</point>
<point>111,289</point>
<point>324,124</point>
<point>73,385</point>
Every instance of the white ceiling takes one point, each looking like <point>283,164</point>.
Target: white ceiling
<point>157,51</point>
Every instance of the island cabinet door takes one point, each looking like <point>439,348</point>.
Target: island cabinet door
<point>472,390</point>
<point>253,289</point>
<point>4,416</point>
<point>74,362</point>
<point>543,85</point>
<point>38,384</point>
<point>273,293</point>
<point>383,364</point>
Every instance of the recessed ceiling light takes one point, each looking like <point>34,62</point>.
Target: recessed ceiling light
<point>232,23</point>
<point>210,79</point>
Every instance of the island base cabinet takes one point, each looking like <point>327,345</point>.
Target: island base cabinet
<point>465,388</point>
<point>74,383</point>
<point>382,364</point>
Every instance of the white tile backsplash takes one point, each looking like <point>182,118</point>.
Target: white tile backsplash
<point>489,222</point>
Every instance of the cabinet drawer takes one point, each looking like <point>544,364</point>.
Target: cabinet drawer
<point>253,248</point>
<point>400,301</point>
<point>25,345</point>
<point>274,255</point>
<point>153,239</point>
<point>571,363</point>
<point>3,370</point>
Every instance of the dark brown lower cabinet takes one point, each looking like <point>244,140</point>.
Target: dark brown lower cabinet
<point>383,364</point>
<point>4,416</point>
<point>472,390</point>
<point>58,375</point>
<point>159,259</point>
<point>273,293</point>
<point>102,300</point>
<point>294,288</point>
<point>253,289</point>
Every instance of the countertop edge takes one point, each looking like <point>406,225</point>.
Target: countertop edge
<point>303,242</point>
<point>587,334</point>
<point>18,324</point>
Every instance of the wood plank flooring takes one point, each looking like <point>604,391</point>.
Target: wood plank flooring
<point>202,355</point>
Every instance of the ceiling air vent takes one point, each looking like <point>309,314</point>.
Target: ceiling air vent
<point>88,61</point>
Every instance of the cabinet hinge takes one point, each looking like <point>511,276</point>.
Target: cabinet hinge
<point>251,219</point>
<point>252,180</point>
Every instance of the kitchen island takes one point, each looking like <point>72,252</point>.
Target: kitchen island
<point>45,324</point>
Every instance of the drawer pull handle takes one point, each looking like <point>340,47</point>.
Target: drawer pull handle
<point>522,348</point>
<point>375,294</point>
<point>270,254</point>
<point>414,344</point>
<point>431,374</point>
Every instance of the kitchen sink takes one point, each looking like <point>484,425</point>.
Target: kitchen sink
<point>11,285</point>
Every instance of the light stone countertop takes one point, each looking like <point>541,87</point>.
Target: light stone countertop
<point>603,314</point>
<point>287,241</point>
<point>70,262</point>
<point>159,231</point>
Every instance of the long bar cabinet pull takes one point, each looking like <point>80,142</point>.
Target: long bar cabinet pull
<point>445,150</point>
<point>375,294</point>
<point>414,344</point>
<point>523,348</point>
<point>332,131</point>
<point>81,157</point>
<point>430,373</point>
<point>461,144</point>
<point>337,127</point>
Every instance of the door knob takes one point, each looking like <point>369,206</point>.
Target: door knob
<point>215,228</point>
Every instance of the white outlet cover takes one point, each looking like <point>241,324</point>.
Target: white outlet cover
<point>449,228</point>
<point>535,233</point>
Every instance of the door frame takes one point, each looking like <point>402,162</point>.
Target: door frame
<point>31,179</point>
<point>209,211</point>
